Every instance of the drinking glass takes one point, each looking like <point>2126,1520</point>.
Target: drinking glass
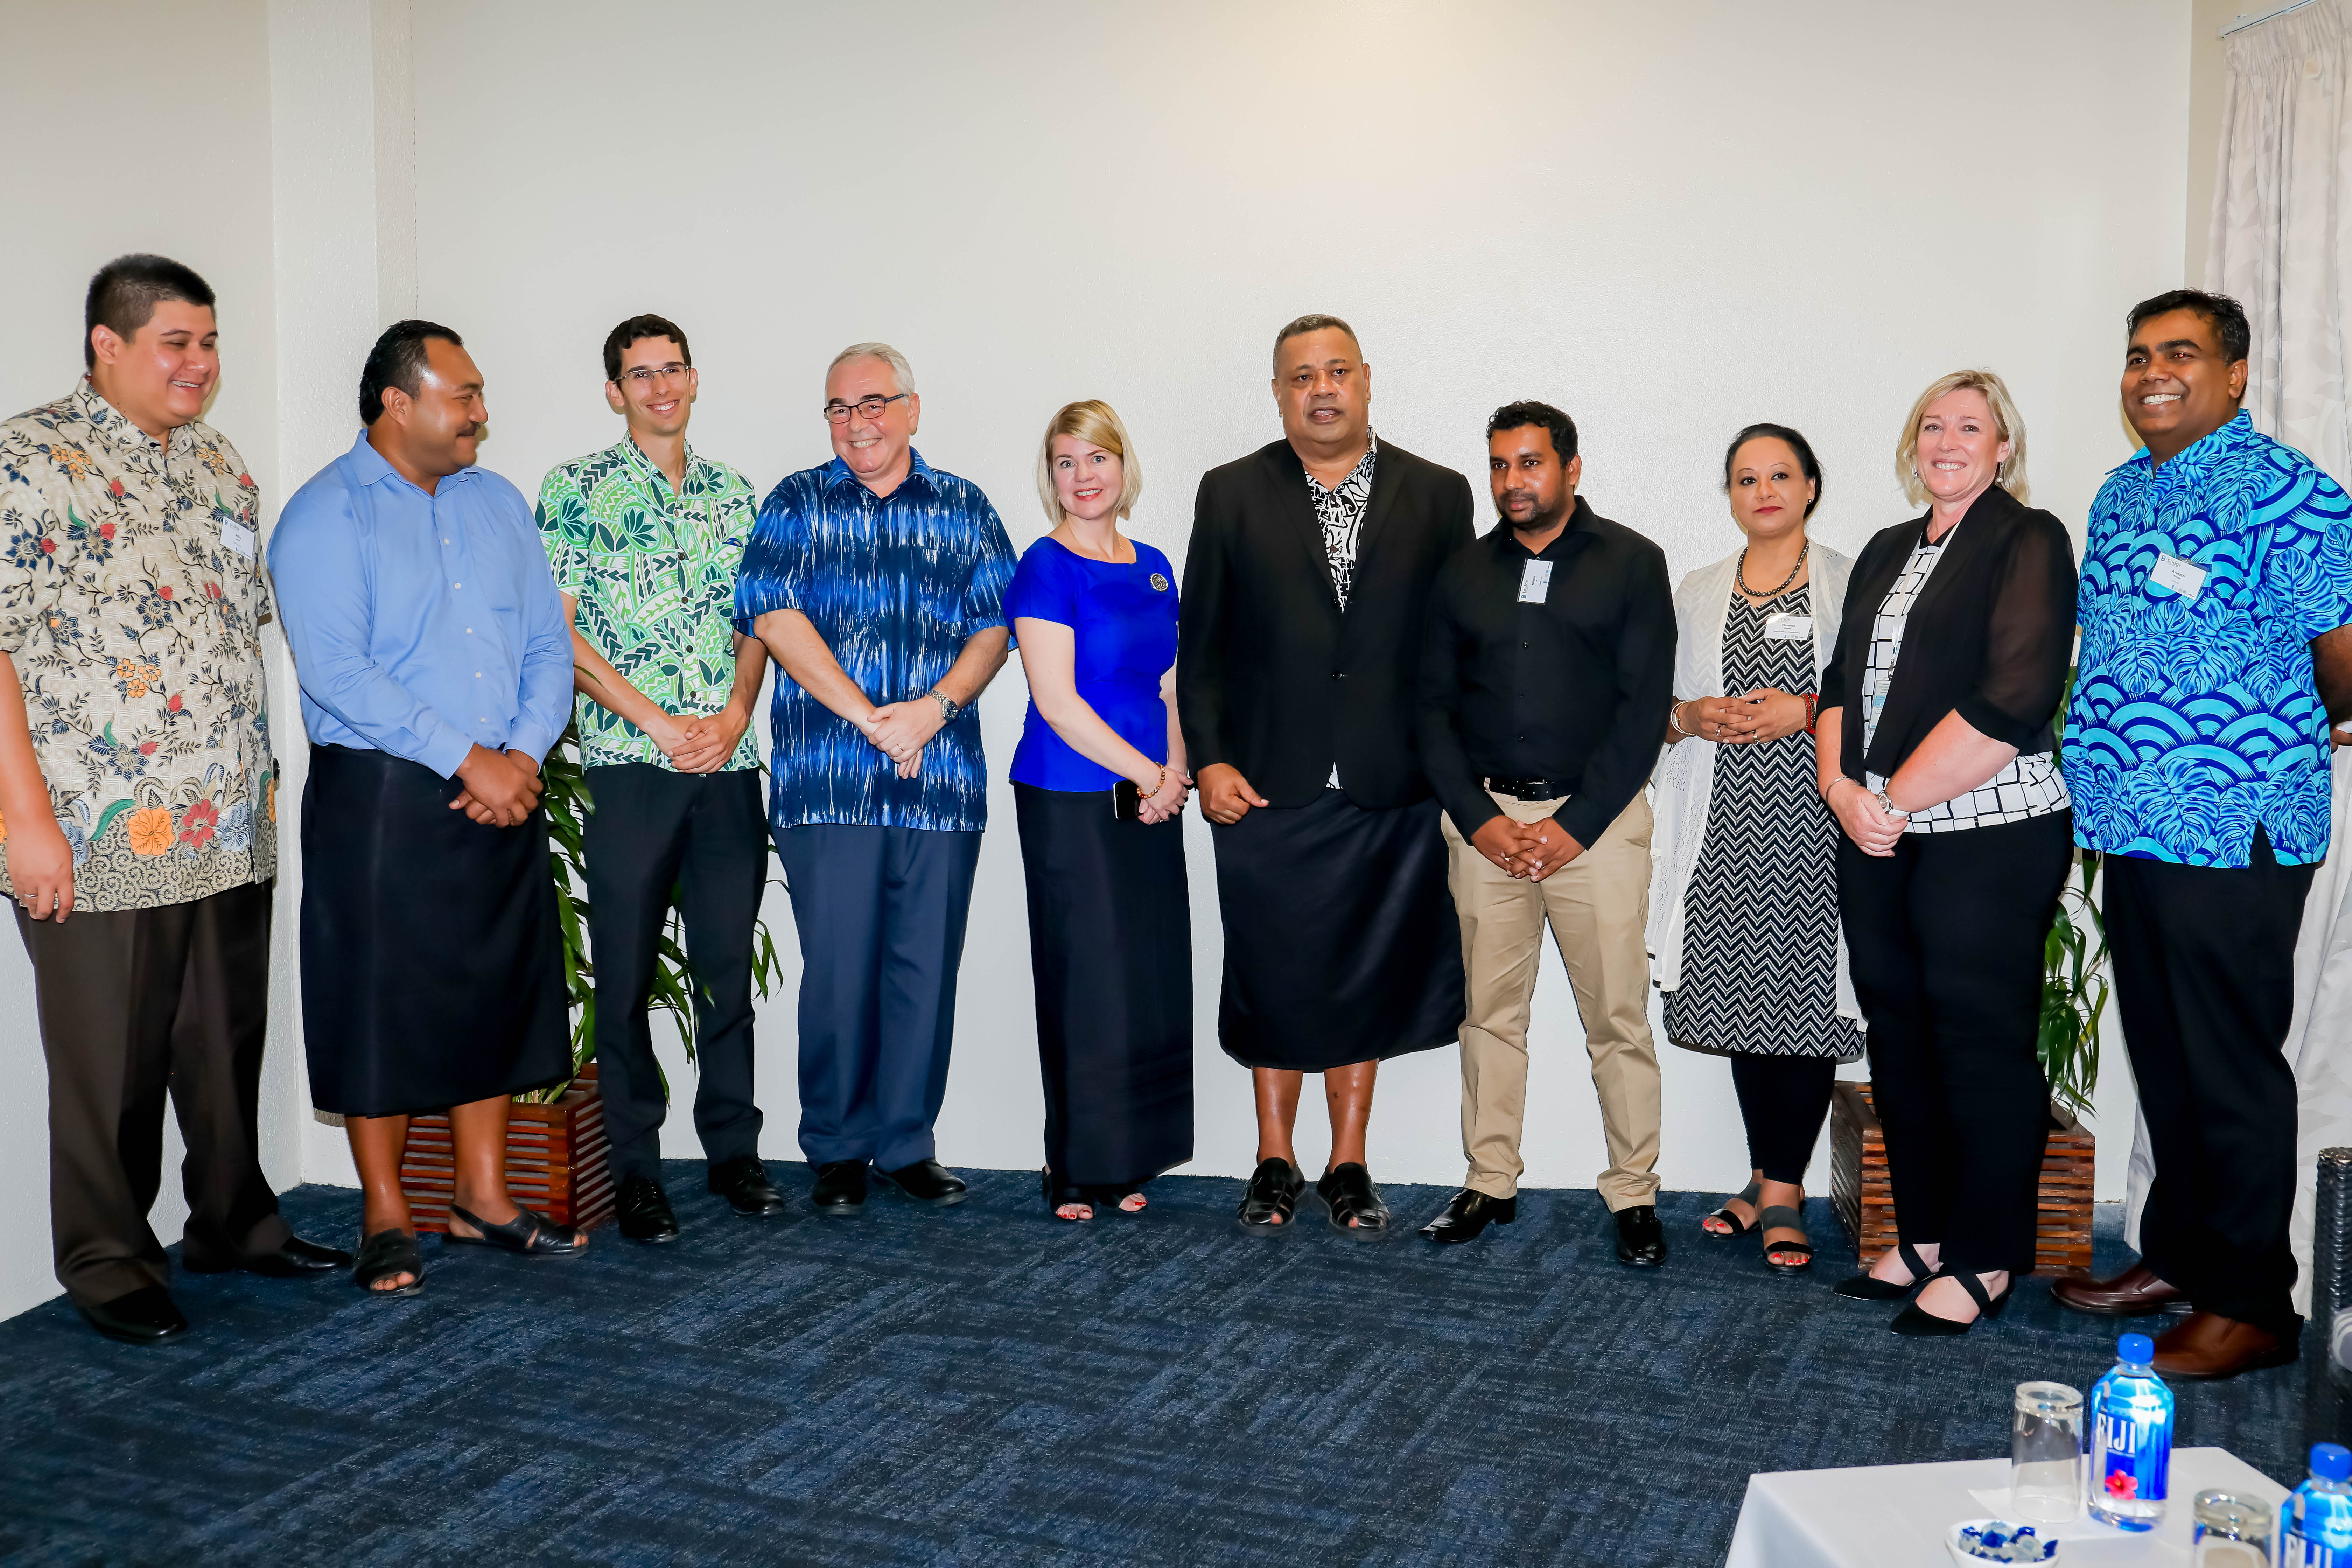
<point>2045,1454</point>
<point>2232,1531</point>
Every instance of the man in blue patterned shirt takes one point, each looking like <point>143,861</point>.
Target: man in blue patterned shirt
<point>2216,593</point>
<point>876,582</point>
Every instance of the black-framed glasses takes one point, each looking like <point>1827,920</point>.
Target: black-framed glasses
<point>644,375</point>
<point>871,407</point>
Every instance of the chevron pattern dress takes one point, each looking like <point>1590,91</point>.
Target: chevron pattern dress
<point>1759,927</point>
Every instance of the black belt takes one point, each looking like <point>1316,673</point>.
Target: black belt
<point>1527,789</point>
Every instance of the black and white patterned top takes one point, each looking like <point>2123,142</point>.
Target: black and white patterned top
<point>1341,513</point>
<point>2029,786</point>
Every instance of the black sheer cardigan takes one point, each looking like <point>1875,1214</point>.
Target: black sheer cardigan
<point>1989,637</point>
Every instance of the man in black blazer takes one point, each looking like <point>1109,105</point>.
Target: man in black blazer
<point>1305,591</point>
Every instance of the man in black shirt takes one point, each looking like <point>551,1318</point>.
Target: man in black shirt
<point>1544,685</point>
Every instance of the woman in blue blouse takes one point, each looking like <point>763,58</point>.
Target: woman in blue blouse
<point>1110,935</point>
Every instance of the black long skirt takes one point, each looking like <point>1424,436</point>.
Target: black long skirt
<point>431,961</point>
<point>1110,943</point>
<point>1341,945</point>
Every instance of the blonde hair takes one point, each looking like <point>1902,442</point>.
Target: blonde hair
<point>1097,423</point>
<point>2006,423</point>
<point>900,371</point>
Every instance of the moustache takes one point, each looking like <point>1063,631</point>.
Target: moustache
<point>1519,498</point>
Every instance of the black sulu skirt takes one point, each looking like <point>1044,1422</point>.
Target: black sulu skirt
<point>1110,943</point>
<point>1341,945</point>
<point>432,962</point>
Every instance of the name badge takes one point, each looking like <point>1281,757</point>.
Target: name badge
<point>1786,628</point>
<point>2185,578</point>
<point>238,536</point>
<point>1535,582</point>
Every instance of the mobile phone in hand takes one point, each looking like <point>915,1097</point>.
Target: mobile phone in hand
<point>1126,801</point>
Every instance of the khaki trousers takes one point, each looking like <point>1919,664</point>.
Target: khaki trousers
<point>1598,905</point>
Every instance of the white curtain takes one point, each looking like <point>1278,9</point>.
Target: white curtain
<point>2282,248</point>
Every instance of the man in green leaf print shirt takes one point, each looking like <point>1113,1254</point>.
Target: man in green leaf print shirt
<point>644,538</point>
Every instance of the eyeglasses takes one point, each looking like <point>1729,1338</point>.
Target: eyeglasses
<point>865,407</point>
<point>646,374</point>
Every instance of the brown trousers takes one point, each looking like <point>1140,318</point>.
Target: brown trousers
<point>1597,906</point>
<point>133,1004</point>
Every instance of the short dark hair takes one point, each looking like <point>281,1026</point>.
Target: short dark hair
<point>1518,416</point>
<point>123,296</point>
<point>2223,314</point>
<point>1797,444</point>
<point>1312,323</point>
<point>636,329</point>
<point>398,359</point>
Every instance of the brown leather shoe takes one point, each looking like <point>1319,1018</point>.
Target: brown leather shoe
<point>2134,1293</point>
<point>2210,1345</point>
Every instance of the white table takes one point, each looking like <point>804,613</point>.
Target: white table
<point>1895,1516</point>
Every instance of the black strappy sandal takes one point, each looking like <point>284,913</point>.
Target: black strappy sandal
<point>1355,1203</point>
<point>1057,1198</point>
<point>1864,1288</point>
<point>1916,1321</point>
<point>531,1233</point>
<point>1782,1216</point>
<point>384,1256</point>
<point>1747,1194</point>
<point>1270,1202</point>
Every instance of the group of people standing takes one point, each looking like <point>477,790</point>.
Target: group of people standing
<point>1819,803</point>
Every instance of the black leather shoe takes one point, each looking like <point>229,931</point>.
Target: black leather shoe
<point>1469,1214</point>
<point>743,1182</point>
<point>929,1182</point>
<point>840,1189</point>
<point>1641,1240</point>
<point>1355,1204</point>
<point>295,1260</point>
<point>145,1317</point>
<point>1270,1201</point>
<point>644,1211</point>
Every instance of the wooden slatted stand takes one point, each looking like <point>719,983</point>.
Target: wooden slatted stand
<point>556,1161</point>
<point>1866,1202</point>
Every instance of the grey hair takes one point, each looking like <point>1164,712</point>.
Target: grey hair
<point>1306,324</point>
<point>900,371</point>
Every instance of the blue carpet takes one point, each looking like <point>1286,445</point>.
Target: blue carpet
<point>984,1385</point>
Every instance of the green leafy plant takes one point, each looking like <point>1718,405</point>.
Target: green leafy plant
<point>2074,987</point>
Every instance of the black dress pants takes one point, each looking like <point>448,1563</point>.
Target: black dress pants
<point>1945,937</point>
<point>134,1002</point>
<point>2204,964</point>
<point>699,842</point>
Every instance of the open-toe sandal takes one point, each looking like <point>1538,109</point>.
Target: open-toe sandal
<point>387,1254</point>
<point>1059,1197</point>
<point>1355,1203</point>
<point>528,1233</point>
<point>1782,1217</point>
<point>1270,1202</point>
<point>1747,1194</point>
<point>1916,1321</point>
<point>1865,1288</point>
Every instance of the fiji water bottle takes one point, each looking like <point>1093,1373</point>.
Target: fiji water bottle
<point>2315,1521</point>
<point>2131,1439</point>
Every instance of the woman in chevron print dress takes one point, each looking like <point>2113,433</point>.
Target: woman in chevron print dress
<point>1744,932</point>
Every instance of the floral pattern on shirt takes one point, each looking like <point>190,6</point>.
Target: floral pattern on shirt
<point>653,572</point>
<point>1340,512</point>
<point>132,603</point>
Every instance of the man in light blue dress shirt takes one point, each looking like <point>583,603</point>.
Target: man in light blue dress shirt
<point>436,669</point>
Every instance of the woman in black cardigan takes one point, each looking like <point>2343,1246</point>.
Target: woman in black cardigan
<point>1935,749</point>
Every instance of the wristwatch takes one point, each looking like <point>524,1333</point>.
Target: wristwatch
<point>1888,806</point>
<point>949,706</point>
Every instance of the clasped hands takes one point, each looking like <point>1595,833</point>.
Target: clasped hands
<point>1529,850</point>
<point>700,742</point>
<point>1765,713</point>
<point>1874,830</point>
<point>901,729</point>
<point>1168,800</point>
<point>502,788</point>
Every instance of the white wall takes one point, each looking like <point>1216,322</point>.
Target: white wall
<point>1670,220</point>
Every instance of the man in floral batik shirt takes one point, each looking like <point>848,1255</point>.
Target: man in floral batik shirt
<point>644,538</point>
<point>137,799</point>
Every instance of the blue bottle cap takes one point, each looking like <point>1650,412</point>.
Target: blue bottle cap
<point>2331,1461</point>
<point>2137,1348</point>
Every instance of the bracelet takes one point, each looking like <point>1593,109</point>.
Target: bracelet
<point>1674,721</point>
<point>1812,713</point>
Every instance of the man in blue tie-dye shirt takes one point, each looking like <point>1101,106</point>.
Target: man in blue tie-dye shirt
<point>2217,586</point>
<point>875,582</point>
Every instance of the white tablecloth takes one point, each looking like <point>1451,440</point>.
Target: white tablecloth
<point>1895,1516</point>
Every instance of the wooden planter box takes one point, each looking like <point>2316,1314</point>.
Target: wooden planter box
<point>1866,1203</point>
<point>556,1161</point>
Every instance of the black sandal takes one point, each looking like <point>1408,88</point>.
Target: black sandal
<point>1747,1194</point>
<point>1916,1321</point>
<point>1782,1217</point>
<point>1864,1288</point>
<point>383,1256</point>
<point>528,1233</point>
<point>1059,1197</point>
<point>1348,1192</point>
<point>1271,1199</point>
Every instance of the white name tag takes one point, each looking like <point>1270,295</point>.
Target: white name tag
<point>1535,582</point>
<point>238,537</point>
<point>2185,578</point>
<point>1789,628</point>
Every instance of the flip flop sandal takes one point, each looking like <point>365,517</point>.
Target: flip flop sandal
<point>1747,1194</point>
<point>1781,1216</point>
<point>384,1256</point>
<point>530,1234</point>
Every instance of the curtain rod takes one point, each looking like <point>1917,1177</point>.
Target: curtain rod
<point>2256,19</point>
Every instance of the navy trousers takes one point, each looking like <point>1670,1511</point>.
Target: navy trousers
<point>881,912</point>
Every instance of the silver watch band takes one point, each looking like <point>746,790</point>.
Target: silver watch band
<point>949,706</point>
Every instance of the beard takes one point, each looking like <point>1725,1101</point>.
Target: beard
<point>1541,520</point>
